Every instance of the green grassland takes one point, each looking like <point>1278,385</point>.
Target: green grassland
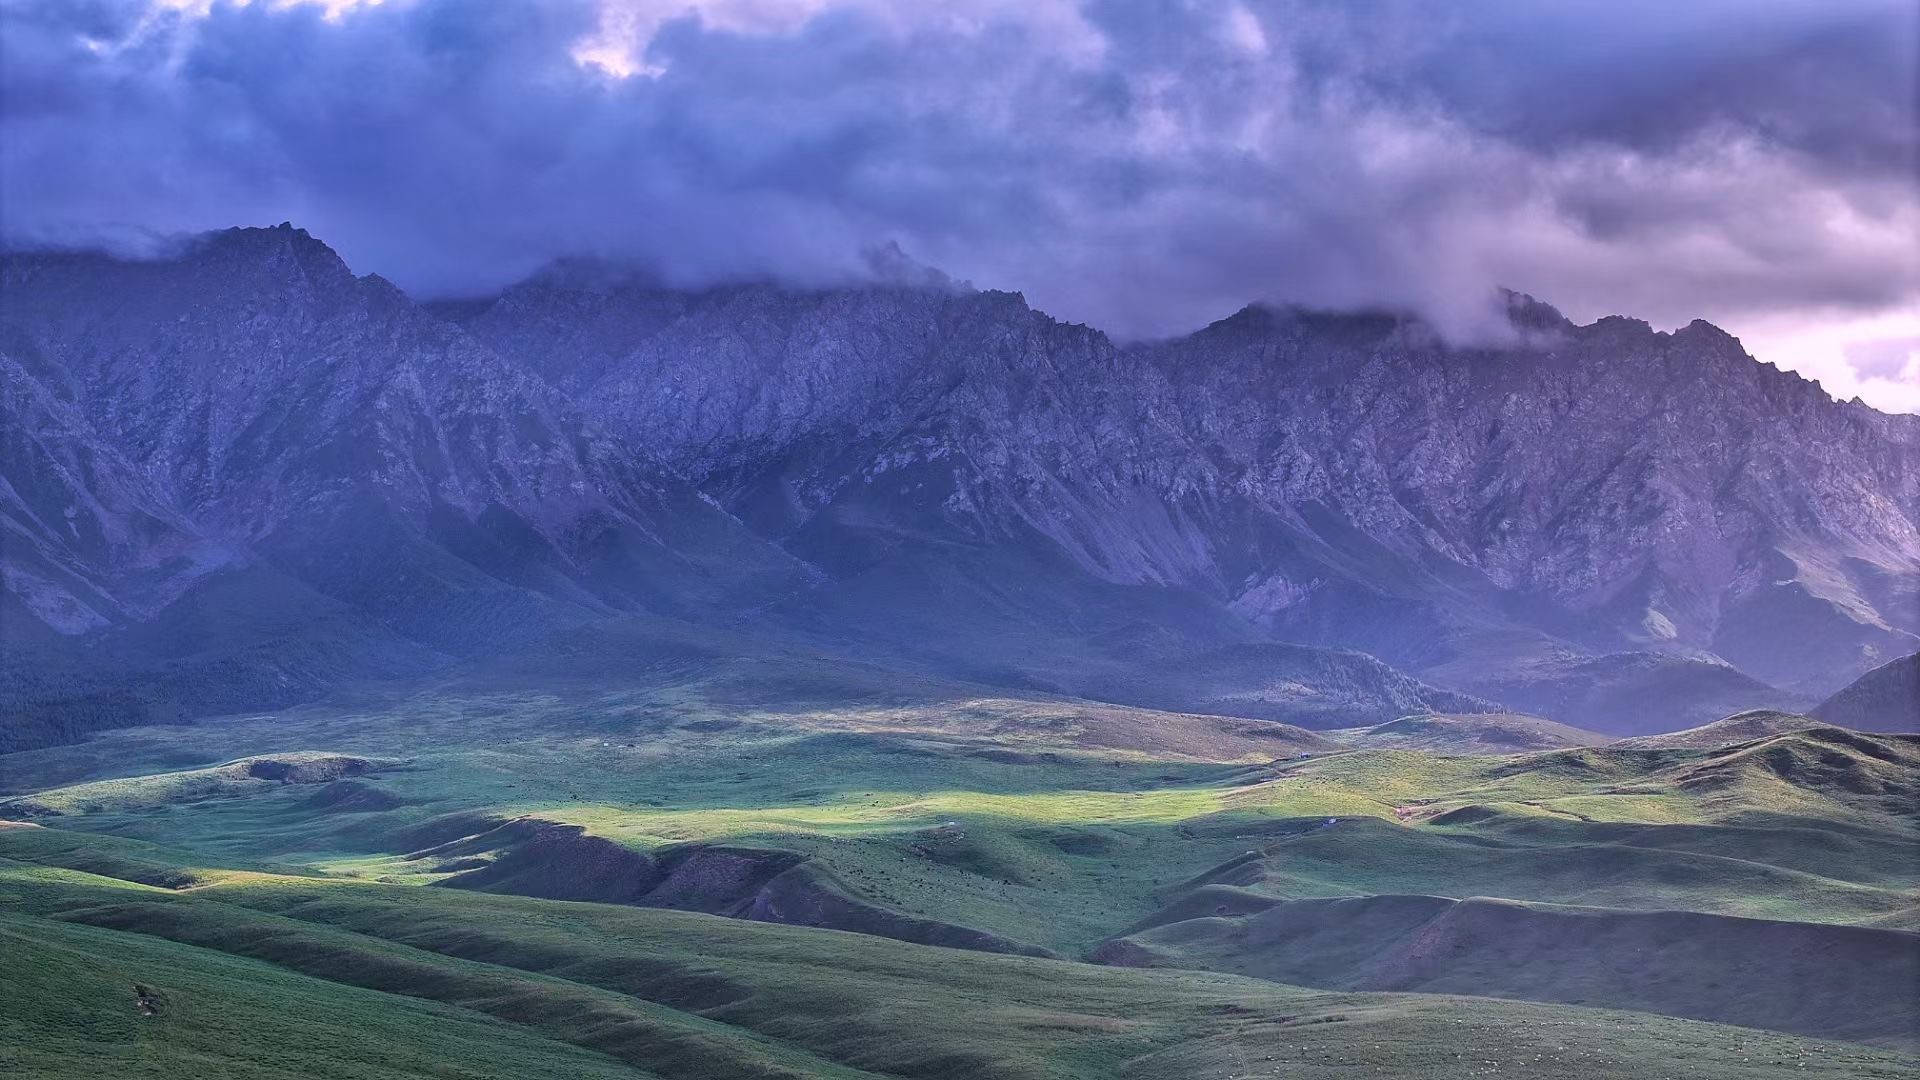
<point>263,975</point>
<point>74,1001</point>
<point>322,842</point>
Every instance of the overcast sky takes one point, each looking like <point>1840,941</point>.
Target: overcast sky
<point>1144,167</point>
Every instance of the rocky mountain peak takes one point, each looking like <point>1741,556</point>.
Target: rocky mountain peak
<point>280,258</point>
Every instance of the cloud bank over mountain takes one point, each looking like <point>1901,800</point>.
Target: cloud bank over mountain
<point>1144,167</point>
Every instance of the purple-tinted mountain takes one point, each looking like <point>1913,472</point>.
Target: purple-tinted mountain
<point>1884,699</point>
<point>244,455</point>
<point>250,473</point>
<point>1581,501</point>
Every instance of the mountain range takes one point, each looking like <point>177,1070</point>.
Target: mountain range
<point>239,475</point>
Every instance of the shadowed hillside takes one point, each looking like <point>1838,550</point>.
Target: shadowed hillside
<point>117,972</point>
<point>1833,981</point>
<point>1884,699</point>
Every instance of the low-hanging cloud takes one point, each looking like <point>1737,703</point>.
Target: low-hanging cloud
<point>1142,166</point>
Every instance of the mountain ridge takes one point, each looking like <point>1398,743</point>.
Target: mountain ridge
<point>945,479</point>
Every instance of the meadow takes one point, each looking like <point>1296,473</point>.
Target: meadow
<point>668,881</point>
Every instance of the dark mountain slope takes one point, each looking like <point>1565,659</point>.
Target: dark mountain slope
<point>1884,699</point>
<point>278,400</point>
<point>1477,515</point>
<point>1844,982</point>
<point>247,428</point>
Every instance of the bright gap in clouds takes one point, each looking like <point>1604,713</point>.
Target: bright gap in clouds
<point>1875,358</point>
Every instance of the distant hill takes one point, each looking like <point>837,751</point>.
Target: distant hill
<point>1302,685</point>
<point>1470,733</point>
<point>1884,699</point>
<point>1738,728</point>
<point>1826,767</point>
<point>1630,693</point>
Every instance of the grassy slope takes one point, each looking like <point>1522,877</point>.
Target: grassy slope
<point>1835,981</point>
<point>933,810</point>
<point>71,997</point>
<point>684,995</point>
<point>1738,728</point>
<point>1048,822</point>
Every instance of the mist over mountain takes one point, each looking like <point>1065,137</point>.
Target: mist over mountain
<point>244,474</point>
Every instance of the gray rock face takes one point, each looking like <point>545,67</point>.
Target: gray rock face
<point>88,541</point>
<point>935,476</point>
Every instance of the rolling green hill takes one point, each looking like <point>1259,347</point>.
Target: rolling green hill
<point>1835,981</point>
<point>263,975</point>
<point>1738,728</point>
<point>664,875</point>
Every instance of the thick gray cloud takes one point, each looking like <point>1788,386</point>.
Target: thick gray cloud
<point>1144,166</point>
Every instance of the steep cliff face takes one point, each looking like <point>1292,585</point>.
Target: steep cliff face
<point>931,475</point>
